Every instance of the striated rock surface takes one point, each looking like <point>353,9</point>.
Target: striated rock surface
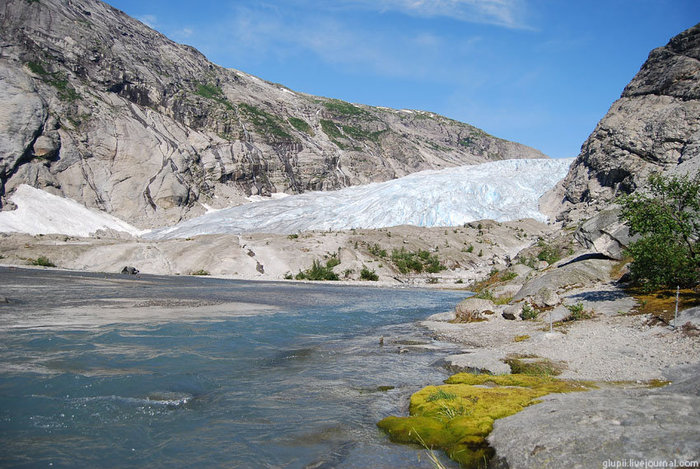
<point>101,109</point>
<point>593,428</point>
<point>653,127</point>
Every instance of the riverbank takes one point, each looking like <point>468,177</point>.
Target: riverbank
<point>648,401</point>
<point>463,254</point>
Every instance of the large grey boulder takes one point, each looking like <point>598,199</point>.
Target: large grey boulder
<point>605,233</point>
<point>584,430</point>
<point>567,276</point>
<point>546,298</point>
<point>473,308</point>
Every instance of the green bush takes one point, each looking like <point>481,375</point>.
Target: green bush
<point>43,262</point>
<point>548,253</point>
<point>377,251</point>
<point>578,313</point>
<point>418,261</point>
<point>200,272</point>
<point>319,271</point>
<point>528,312</point>
<point>667,218</point>
<point>366,274</point>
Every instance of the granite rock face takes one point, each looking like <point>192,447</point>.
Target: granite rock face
<point>100,108</point>
<point>653,127</point>
<point>585,430</point>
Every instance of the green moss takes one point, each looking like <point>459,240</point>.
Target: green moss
<point>458,416</point>
<point>208,91</point>
<point>343,108</point>
<point>265,122</point>
<point>331,129</point>
<point>540,367</point>
<point>301,125</point>
<point>37,68</point>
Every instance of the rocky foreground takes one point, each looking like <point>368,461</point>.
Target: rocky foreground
<point>648,396</point>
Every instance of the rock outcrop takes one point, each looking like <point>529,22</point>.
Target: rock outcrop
<point>608,425</point>
<point>101,109</point>
<point>653,127</point>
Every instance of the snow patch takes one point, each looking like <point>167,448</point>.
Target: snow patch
<point>39,212</point>
<point>501,191</point>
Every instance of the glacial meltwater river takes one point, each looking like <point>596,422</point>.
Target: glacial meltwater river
<point>108,370</point>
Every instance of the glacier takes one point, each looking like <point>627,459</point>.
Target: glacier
<point>501,190</point>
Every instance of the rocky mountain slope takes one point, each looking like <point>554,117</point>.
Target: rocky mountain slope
<point>653,127</point>
<point>99,108</point>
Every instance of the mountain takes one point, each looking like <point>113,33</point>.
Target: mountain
<point>101,109</point>
<point>653,127</point>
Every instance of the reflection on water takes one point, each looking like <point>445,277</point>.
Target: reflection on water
<point>299,388</point>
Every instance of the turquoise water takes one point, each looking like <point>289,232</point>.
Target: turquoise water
<point>300,385</point>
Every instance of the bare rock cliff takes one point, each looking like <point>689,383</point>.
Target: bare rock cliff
<point>653,127</point>
<point>99,108</point>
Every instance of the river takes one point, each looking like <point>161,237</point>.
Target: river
<point>108,370</point>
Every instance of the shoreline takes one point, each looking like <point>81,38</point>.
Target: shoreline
<point>646,376</point>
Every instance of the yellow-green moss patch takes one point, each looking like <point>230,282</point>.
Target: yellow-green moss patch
<point>534,366</point>
<point>458,416</point>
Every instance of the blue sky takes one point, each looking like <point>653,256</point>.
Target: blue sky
<point>540,72</point>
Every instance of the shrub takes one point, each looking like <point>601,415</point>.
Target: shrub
<point>578,313</point>
<point>548,253</point>
<point>668,220</point>
<point>377,251</point>
<point>200,272</point>
<point>366,274</point>
<point>43,262</point>
<point>265,122</point>
<point>418,261</point>
<point>319,271</point>
<point>528,312</point>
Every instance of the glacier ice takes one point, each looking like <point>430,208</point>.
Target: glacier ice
<point>501,190</point>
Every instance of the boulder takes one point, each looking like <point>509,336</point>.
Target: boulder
<point>473,308</point>
<point>560,313</point>
<point>521,270</point>
<point>129,270</point>
<point>512,312</point>
<point>566,276</point>
<point>589,428</point>
<point>546,298</point>
<point>605,233</point>
<point>507,290</point>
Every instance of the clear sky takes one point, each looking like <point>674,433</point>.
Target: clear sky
<point>540,72</point>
